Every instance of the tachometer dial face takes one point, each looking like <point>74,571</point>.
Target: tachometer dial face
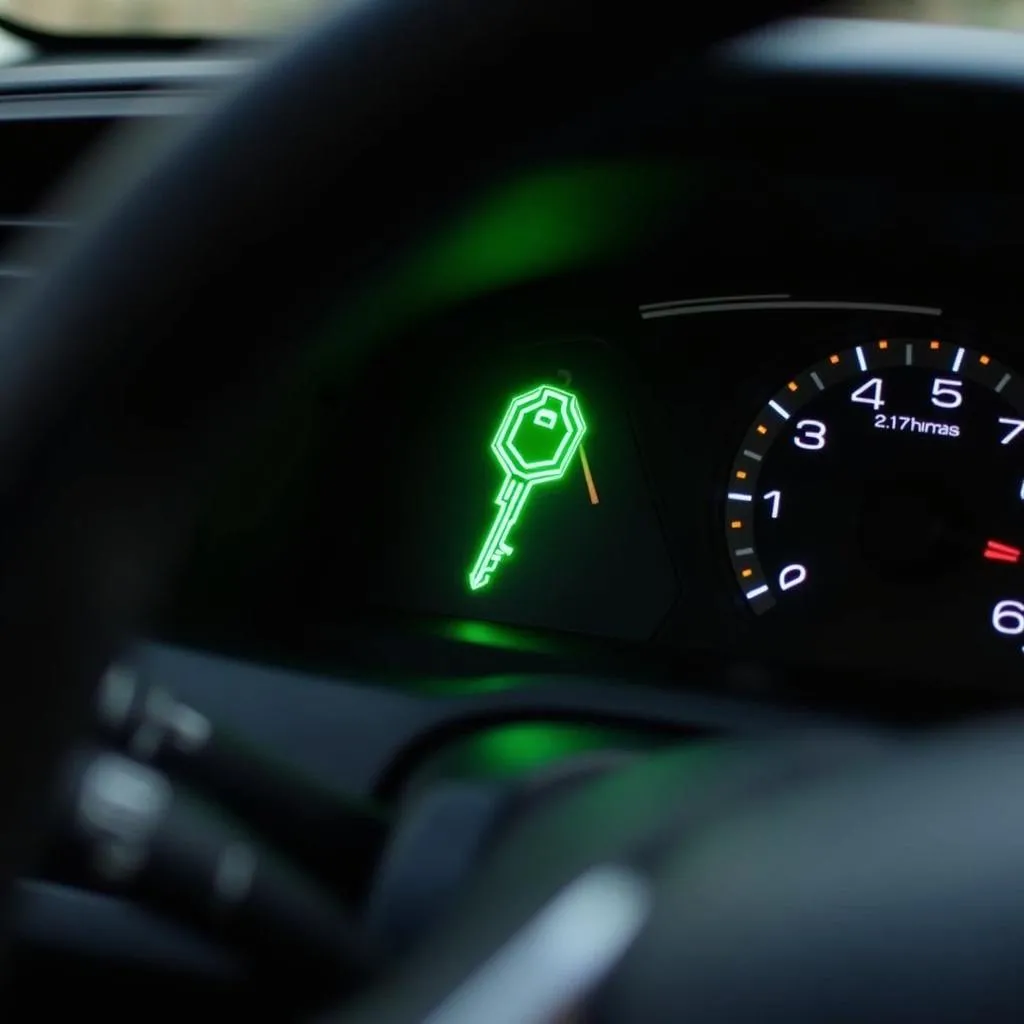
<point>878,497</point>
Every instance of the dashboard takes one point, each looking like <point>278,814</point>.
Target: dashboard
<point>775,360</point>
<point>744,399</point>
<point>821,483</point>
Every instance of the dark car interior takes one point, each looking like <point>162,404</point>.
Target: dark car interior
<point>511,514</point>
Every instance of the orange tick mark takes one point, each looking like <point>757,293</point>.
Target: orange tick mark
<point>883,345</point>
<point>589,477</point>
<point>933,345</point>
<point>736,524</point>
<point>833,360</point>
<point>741,474</point>
<point>792,385</point>
<point>984,360</point>
<point>762,429</point>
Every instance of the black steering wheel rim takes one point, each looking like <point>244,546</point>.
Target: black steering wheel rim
<point>205,271</point>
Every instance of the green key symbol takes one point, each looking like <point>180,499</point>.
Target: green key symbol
<point>537,440</point>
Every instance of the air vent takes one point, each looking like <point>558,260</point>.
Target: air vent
<point>40,157</point>
<point>17,233</point>
<point>19,237</point>
<point>54,114</point>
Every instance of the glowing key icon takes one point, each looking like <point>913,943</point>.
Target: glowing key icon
<point>537,440</point>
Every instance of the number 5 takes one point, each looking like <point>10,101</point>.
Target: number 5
<point>946,393</point>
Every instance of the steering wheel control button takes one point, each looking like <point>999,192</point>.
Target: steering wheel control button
<point>325,832</point>
<point>121,805</point>
<point>135,834</point>
<point>116,697</point>
<point>166,720</point>
<point>235,872</point>
<point>145,719</point>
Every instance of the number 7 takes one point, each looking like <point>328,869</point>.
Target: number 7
<point>1017,425</point>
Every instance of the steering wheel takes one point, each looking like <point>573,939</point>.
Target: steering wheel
<point>789,883</point>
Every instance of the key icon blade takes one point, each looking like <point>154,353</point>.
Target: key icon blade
<point>536,442</point>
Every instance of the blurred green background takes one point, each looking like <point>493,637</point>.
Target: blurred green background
<point>246,17</point>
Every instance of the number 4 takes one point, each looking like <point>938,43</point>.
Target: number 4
<point>869,394</point>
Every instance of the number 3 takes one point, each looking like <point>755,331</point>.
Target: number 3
<point>810,434</point>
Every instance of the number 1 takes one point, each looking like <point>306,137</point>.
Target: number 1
<point>775,499</point>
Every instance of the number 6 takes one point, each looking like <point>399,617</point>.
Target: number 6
<point>1008,618</point>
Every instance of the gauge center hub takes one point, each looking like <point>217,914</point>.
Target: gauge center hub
<point>909,527</point>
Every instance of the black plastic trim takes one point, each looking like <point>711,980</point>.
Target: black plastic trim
<point>864,47</point>
<point>59,917</point>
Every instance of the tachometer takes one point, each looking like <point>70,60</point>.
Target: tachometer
<point>879,494</point>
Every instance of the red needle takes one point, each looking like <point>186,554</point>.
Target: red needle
<point>995,551</point>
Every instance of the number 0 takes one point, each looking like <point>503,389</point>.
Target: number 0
<point>792,576</point>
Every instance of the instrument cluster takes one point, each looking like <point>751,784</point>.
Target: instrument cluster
<point>830,483</point>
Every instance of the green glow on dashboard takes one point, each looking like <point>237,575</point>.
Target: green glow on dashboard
<point>512,749</point>
<point>545,222</point>
<point>496,637</point>
<point>537,439</point>
<point>542,223</point>
<point>474,686</point>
